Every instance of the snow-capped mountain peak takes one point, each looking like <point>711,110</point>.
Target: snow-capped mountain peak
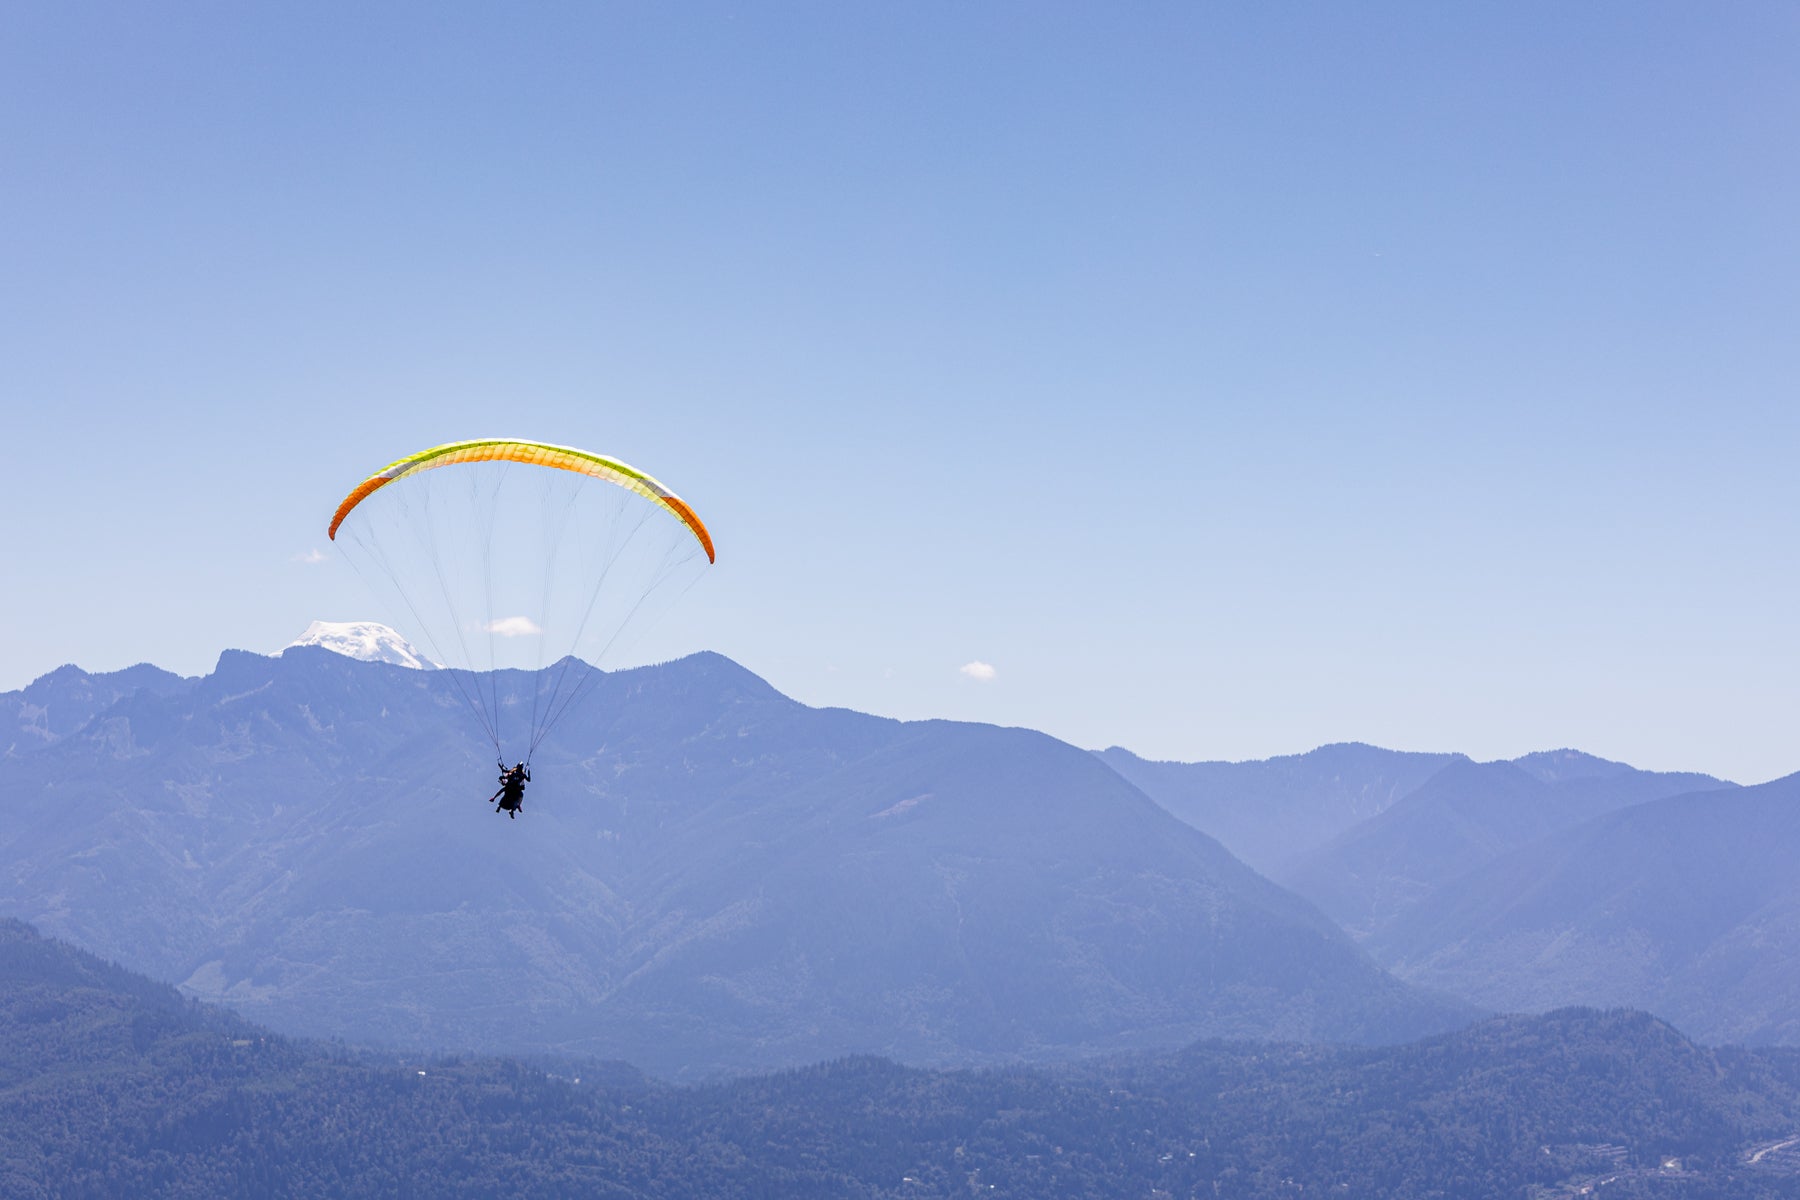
<point>367,640</point>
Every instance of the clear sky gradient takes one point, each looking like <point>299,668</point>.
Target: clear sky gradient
<point>1228,378</point>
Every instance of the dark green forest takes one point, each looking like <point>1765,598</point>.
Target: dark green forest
<point>113,1086</point>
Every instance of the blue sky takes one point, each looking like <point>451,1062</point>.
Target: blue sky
<point>1232,379</point>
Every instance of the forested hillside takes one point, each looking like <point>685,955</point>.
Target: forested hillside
<point>116,1087</point>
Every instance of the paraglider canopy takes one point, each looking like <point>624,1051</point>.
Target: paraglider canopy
<point>521,554</point>
<point>560,458</point>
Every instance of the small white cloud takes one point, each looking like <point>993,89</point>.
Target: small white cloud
<point>513,627</point>
<point>311,558</point>
<point>979,671</point>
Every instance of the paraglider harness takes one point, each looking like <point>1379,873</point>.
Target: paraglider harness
<point>511,796</point>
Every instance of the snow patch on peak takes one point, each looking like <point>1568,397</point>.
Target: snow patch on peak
<point>367,640</point>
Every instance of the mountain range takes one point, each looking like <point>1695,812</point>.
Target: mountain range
<point>1554,879</point>
<point>707,876</point>
<point>1688,906</point>
<point>1274,812</point>
<point>60,703</point>
<point>711,876</point>
<point>1456,821</point>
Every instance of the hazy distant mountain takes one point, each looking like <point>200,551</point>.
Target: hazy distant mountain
<point>55,705</point>
<point>1561,766</point>
<point>113,1086</point>
<point>369,641</point>
<point>1688,906</point>
<point>1270,813</point>
<point>706,874</point>
<point>1463,816</point>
